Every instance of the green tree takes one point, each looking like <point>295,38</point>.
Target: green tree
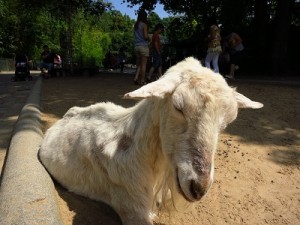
<point>9,22</point>
<point>153,19</point>
<point>26,31</point>
<point>255,20</point>
<point>3,13</point>
<point>53,23</point>
<point>120,29</point>
<point>65,11</point>
<point>90,46</point>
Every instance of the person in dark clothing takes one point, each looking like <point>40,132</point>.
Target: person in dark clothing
<point>47,61</point>
<point>236,50</point>
<point>121,59</point>
<point>156,51</point>
<point>22,69</point>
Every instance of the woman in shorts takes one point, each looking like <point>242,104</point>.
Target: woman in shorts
<point>141,48</point>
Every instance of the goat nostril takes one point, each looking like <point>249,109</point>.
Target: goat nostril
<point>196,190</point>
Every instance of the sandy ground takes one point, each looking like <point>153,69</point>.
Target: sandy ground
<point>257,165</point>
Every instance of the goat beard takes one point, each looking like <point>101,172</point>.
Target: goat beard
<point>167,195</point>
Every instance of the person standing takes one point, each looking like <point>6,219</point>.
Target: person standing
<point>156,51</point>
<point>141,48</point>
<point>236,51</point>
<point>214,48</point>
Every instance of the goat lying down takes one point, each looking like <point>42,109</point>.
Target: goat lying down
<point>163,146</point>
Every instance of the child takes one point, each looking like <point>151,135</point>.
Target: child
<point>214,48</point>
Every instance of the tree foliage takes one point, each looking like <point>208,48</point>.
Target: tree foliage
<point>78,25</point>
<point>265,25</point>
<point>95,29</point>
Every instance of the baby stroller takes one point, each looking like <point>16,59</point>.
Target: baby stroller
<point>22,71</point>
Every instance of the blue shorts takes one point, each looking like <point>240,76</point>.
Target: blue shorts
<point>48,66</point>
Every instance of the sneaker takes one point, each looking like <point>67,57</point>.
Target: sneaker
<point>229,77</point>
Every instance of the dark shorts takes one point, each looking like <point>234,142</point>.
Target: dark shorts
<point>235,57</point>
<point>48,66</point>
<point>157,60</point>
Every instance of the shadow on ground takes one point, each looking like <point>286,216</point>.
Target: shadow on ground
<point>277,124</point>
<point>81,206</point>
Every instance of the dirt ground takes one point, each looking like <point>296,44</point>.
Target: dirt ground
<point>257,165</point>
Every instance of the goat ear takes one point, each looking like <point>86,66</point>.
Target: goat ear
<point>244,102</point>
<point>159,88</point>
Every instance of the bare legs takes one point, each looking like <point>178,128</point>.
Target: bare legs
<point>234,58</point>
<point>137,72</point>
<point>159,70</point>
<point>233,68</point>
<point>141,71</point>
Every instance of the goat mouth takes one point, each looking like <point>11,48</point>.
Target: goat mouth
<point>179,189</point>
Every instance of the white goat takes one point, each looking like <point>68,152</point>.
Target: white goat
<point>164,144</point>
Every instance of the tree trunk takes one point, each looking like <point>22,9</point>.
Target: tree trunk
<point>279,45</point>
<point>261,26</point>
<point>70,41</point>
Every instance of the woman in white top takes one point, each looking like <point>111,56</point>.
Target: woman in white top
<point>214,48</point>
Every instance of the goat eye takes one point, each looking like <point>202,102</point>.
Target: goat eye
<point>178,103</point>
<point>178,109</point>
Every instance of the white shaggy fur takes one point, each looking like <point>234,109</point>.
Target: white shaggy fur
<point>135,158</point>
